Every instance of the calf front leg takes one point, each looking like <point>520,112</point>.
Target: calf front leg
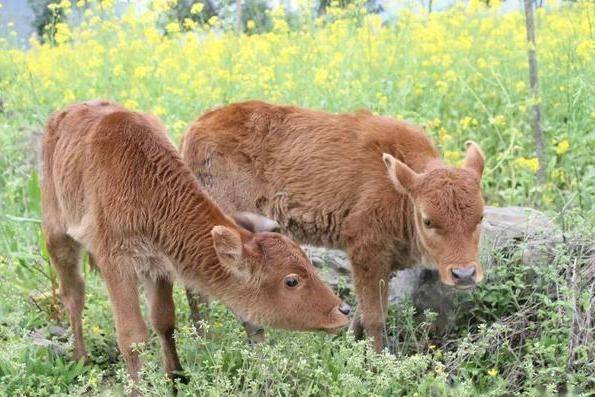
<point>371,275</point>
<point>130,326</point>
<point>199,309</point>
<point>163,319</point>
<point>356,326</point>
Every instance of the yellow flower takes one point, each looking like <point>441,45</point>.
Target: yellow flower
<point>214,20</point>
<point>172,27</point>
<point>250,24</point>
<point>585,49</point>
<point>68,96</point>
<point>435,123</point>
<point>163,5</point>
<point>190,24</point>
<point>118,69</point>
<point>131,104</point>
<point>530,164</point>
<point>452,156</point>
<point>443,135</point>
<point>548,199</point>
<point>159,110</point>
<point>493,372</point>
<point>442,86</point>
<point>141,72</point>
<point>562,147</point>
<point>382,100</point>
<point>467,122</point>
<point>321,76</point>
<point>498,120</point>
<point>107,4</point>
<point>152,35</point>
<point>450,76</point>
<point>179,126</point>
<point>63,33</point>
<point>558,174</point>
<point>280,25</point>
<point>520,86</point>
<point>197,8</point>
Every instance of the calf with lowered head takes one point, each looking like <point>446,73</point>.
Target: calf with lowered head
<point>114,184</point>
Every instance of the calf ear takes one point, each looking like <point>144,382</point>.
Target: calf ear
<point>403,177</point>
<point>230,250</point>
<point>474,159</point>
<point>256,223</point>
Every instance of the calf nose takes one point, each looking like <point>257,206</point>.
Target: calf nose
<point>345,308</point>
<point>463,275</point>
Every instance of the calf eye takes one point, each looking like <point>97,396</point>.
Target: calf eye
<point>427,222</point>
<point>291,281</point>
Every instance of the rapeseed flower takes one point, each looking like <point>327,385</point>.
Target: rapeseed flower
<point>531,164</point>
<point>562,147</point>
<point>197,8</point>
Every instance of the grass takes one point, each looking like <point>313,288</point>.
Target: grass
<point>461,73</point>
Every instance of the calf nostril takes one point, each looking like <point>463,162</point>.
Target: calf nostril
<point>345,308</point>
<point>463,273</point>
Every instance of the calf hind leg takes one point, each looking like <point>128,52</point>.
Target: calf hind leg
<point>65,255</point>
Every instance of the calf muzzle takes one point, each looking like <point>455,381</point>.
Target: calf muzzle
<point>463,277</point>
<point>345,309</point>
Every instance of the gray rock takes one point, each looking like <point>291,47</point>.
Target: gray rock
<point>503,230</point>
<point>38,337</point>
<point>510,228</point>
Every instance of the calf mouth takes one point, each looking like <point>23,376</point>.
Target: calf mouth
<point>465,287</point>
<point>335,330</point>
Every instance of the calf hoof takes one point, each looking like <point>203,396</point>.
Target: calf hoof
<point>179,376</point>
<point>357,329</point>
<point>257,337</point>
<point>81,356</point>
<point>200,332</point>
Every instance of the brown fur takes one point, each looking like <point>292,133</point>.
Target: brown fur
<point>114,184</point>
<point>322,178</point>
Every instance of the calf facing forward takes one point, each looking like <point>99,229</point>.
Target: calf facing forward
<point>324,179</point>
<point>115,185</point>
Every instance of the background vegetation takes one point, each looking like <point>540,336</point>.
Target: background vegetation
<point>462,73</point>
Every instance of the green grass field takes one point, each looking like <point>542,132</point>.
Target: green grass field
<point>461,73</point>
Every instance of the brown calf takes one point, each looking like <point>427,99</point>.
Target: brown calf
<point>324,179</point>
<point>114,184</point>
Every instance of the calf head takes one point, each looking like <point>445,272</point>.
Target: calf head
<point>448,210</point>
<point>279,285</point>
